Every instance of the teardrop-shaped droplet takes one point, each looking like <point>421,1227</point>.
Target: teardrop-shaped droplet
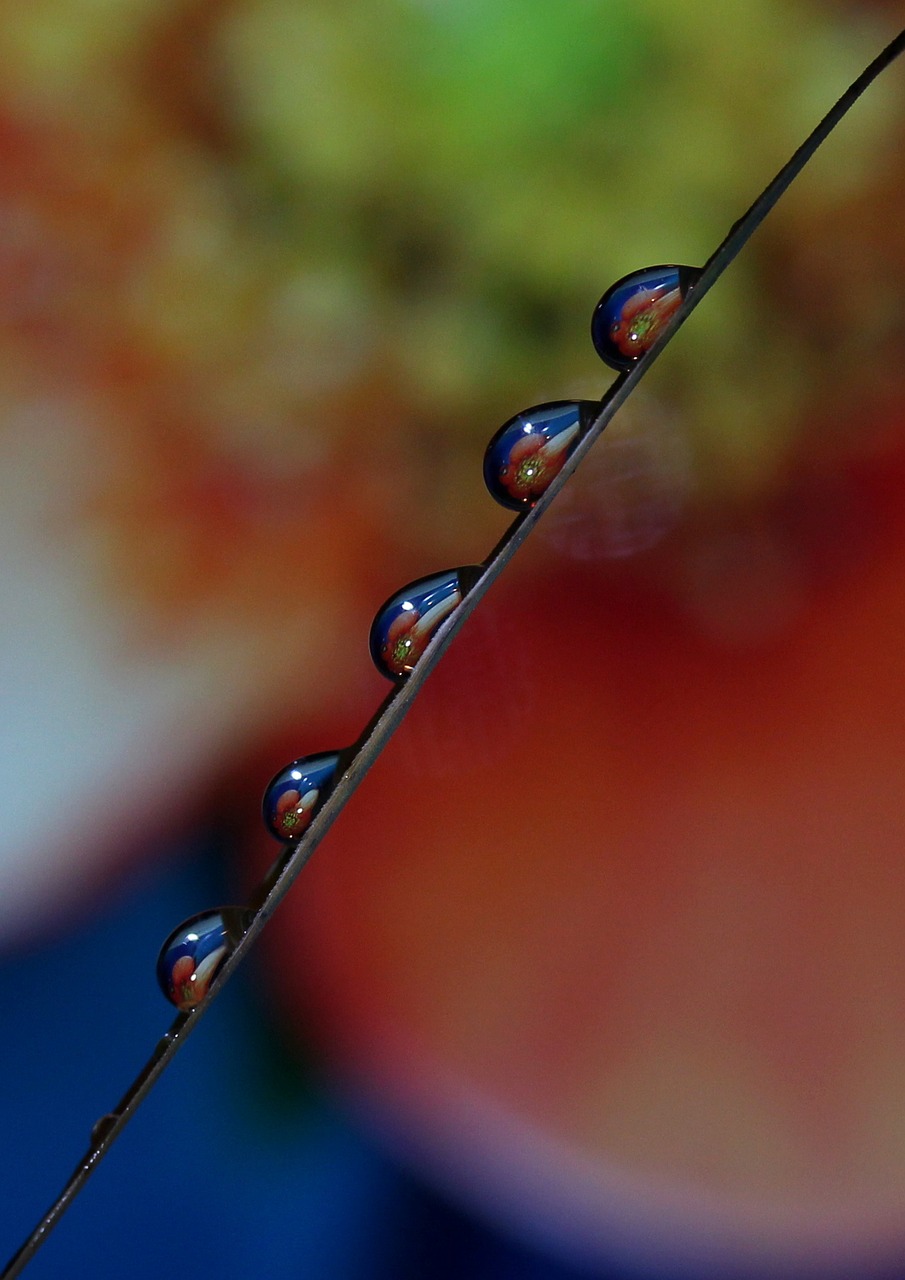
<point>102,1129</point>
<point>630,316</point>
<point>529,450</point>
<point>294,794</point>
<point>194,952</point>
<point>405,623</point>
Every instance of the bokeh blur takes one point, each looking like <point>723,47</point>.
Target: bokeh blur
<point>602,971</point>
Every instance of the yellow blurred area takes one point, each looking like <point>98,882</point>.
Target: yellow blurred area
<point>269,217</point>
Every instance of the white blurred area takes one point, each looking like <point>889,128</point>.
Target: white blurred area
<point>106,730</point>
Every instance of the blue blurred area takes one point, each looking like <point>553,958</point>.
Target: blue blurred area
<point>194,1179</point>
<point>227,1169</point>
<point>236,1165</point>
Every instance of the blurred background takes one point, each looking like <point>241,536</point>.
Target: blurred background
<point>602,971</point>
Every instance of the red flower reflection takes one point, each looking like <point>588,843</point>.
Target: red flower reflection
<point>404,644</point>
<point>408,634</point>
<point>189,981</point>
<point>534,461</point>
<point>292,812</point>
<point>642,317</point>
<point>182,981</point>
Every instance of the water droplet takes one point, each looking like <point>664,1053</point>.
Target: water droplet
<point>293,795</point>
<point>406,622</point>
<point>102,1128</point>
<point>630,316</point>
<point>529,450</point>
<point>194,952</point>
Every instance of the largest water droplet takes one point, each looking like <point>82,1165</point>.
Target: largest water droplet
<point>404,625</point>
<point>633,312</point>
<point>528,451</point>
<point>195,951</point>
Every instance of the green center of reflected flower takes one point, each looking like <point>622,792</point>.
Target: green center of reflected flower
<point>529,472</point>
<point>642,325</point>
<point>401,650</point>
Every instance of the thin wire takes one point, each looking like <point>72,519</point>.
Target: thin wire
<point>395,706</point>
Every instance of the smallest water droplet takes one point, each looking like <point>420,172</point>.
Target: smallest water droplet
<point>164,1044</point>
<point>632,313</point>
<point>194,953</point>
<point>529,451</point>
<point>102,1129</point>
<point>294,795</point>
<point>406,623</point>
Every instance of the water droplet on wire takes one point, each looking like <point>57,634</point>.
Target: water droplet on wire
<point>529,450</point>
<point>405,624</point>
<point>102,1128</point>
<point>293,795</point>
<point>195,951</point>
<point>631,315</point>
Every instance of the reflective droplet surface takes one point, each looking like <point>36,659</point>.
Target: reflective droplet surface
<point>102,1128</point>
<point>293,795</point>
<point>529,450</point>
<point>405,623</point>
<point>194,952</point>
<point>630,316</point>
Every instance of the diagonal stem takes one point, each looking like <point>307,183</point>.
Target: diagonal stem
<point>397,703</point>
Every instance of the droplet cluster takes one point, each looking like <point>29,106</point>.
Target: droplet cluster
<point>522,460</point>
